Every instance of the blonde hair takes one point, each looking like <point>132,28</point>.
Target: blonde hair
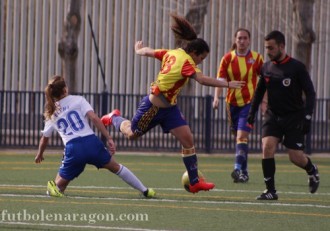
<point>53,92</point>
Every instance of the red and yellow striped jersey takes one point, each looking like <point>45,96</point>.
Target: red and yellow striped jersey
<point>176,69</point>
<point>246,68</point>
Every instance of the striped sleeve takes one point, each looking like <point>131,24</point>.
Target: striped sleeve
<point>159,53</point>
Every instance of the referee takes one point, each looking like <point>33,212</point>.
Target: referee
<point>288,115</point>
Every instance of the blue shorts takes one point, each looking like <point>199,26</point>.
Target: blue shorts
<point>238,117</point>
<point>148,116</point>
<point>81,151</point>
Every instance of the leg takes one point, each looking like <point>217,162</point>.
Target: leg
<point>125,128</point>
<point>126,175</point>
<point>143,120</point>
<point>61,183</point>
<point>120,123</point>
<point>299,158</point>
<point>241,157</point>
<point>184,135</point>
<point>238,121</point>
<point>294,138</point>
<point>56,188</point>
<point>269,144</point>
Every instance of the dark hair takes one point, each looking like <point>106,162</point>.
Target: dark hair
<point>277,36</point>
<point>234,46</point>
<point>187,37</point>
<point>53,92</point>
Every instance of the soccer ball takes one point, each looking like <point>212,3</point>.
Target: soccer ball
<point>185,179</point>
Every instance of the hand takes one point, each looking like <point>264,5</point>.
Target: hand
<point>138,46</point>
<point>306,125</point>
<point>39,158</point>
<point>112,146</point>
<point>250,121</point>
<point>215,103</point>
<point>236,84</point>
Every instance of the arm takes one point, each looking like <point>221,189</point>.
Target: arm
<point>42,146</point>
<point>99,125</point>
<point>207,81</point>
<point>310,95</point>
<point>217,93</point>
<point>142,50</point>
<point>256,100</point>
<point>309,91</point>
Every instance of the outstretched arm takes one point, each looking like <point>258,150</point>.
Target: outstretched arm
<point>140,49</point>
<point>98,123</point>
<point>207,81</point>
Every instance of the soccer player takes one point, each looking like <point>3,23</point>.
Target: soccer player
<point>178,66</point>
<point>288,116</point>
<point>240,63</point>
<point>67,114</point>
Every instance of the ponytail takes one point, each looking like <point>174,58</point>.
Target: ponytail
<point>186,36</point>
<point>53,92</point>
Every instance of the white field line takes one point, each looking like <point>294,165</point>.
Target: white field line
<point>80,226</point>
<point>164,200</point>
<point>163,189</point>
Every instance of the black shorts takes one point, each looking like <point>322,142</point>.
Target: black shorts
<point>286,128</point>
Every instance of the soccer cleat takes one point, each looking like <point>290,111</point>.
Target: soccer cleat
<point>314,181</point>
<point>107,119</point>
<point>201,185</point>
<point>243,178</point>
<point>268,195</point>
<point>235,175</point>
<point>150,193</point>
<point>52,190</point>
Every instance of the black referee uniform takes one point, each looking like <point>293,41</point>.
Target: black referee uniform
<point>287,109</point>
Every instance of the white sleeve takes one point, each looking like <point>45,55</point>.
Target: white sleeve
<point>85,106</point>
<point>48,129</point>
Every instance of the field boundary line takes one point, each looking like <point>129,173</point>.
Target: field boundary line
<point>176,201</point>
<point>165,189</point>
<point>80,226</point>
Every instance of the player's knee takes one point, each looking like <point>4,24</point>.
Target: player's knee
<point>268,150</point>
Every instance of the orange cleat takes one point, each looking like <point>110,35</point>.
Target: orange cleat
<point>107,119</point>
<point>201,185</point>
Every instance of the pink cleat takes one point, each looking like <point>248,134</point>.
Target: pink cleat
<point>201,185</point>
<point>107,119</point>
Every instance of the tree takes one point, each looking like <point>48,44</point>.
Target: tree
<point>67,47</point>
<point>304,34</point>
<point>195,15</point>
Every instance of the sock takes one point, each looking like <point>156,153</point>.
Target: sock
<point>126,175</point>
<point>268,168</point>
<point>243,147</point>
<point>240,157</point>
<point>116,121</point>
<point>190,161</point>
<point>310,169</point>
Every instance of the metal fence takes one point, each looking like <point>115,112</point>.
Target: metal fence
<point>30,31</point>
<point>21,121</point>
